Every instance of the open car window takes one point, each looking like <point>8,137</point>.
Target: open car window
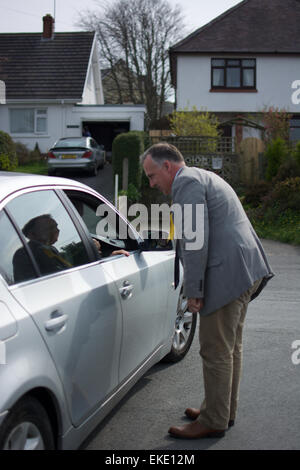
<point>103,223</point>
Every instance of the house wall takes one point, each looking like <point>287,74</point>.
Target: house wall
<point>108,113</point>
<point>65,120</point>
<point>93,90</point>
<point>56,124</point>
<point>275,76</point>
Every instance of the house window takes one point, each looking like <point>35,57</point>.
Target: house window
<point>295,128</point>
<point>28,121</point>
<point>233,73</point>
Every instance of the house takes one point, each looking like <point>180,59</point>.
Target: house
<point>54,89</point>
<point>244,61</point>
<point>121,86</point>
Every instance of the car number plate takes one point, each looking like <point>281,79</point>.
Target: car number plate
<point>68,156</point>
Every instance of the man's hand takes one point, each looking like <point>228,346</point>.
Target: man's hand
<point>120,252</point>
<point>195,305</point>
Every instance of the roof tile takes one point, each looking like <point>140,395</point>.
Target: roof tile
<point>33,68</point>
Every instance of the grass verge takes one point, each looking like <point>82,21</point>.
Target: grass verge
<point>36,168</point>
<point>284,228</point>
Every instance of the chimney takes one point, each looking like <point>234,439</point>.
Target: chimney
<point>48,28</point>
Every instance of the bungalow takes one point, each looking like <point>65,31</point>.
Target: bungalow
<point>54,89</point>
<point>242,62</point>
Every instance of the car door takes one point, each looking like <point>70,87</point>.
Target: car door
<point>143,280</point>
<point>73,300</point>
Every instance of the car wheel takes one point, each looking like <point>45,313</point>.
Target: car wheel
<point>94,171</point>
<point>184,331</point>
<point>27,427</point>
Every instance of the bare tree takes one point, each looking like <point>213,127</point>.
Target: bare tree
<point>139,32</point>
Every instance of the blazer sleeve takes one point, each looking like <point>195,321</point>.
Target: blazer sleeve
<point>192,233</point>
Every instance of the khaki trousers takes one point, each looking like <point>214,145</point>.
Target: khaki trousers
<point>221,351</point>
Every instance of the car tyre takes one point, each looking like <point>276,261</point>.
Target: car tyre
<point>94,171</point>
<point>184,331</point>
<point>27,427</point>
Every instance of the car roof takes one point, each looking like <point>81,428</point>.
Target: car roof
<point>10,182</point>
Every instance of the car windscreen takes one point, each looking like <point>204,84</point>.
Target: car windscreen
<point>71,143</point>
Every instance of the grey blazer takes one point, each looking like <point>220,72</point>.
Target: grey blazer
<point>232,257</point>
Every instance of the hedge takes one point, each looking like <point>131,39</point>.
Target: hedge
<point>8,157</point>
<point>128,145</point>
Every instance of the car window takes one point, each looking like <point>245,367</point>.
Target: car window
<point>103,223</point>
<point>50,233</point>
<point>65,143</point>
<point>10,244</point>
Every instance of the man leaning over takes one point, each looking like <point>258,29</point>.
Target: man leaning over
<point>220,279</point>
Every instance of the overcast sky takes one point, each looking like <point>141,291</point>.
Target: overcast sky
<point>26,15</point>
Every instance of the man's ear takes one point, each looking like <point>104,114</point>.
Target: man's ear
<point>167,165</point>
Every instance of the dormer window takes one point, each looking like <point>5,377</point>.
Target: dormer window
<point>233,74</point>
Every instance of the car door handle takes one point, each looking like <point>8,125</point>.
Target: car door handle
<point>58,320</point>
<point>126,290</point>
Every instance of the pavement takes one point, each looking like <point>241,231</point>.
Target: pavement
<point>269,411</point>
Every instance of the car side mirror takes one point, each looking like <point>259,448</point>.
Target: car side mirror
<point>156,240</point>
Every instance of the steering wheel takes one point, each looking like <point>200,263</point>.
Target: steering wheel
<point>110,241</point>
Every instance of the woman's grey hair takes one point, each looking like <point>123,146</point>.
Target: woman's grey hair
<point>161,152</point>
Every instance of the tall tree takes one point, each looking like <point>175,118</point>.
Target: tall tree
<point>140,33</point>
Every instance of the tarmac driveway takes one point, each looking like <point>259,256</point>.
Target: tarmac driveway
<point>269,413</point>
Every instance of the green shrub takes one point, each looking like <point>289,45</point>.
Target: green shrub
<point>255,194</point>
<point>5,162</point>
<point>276,153</point>
<point>132,194</point>
<point>285,195</point>
<point>290,168</point>
<point>8,157</point>
<point>23,153</point>
<point>35,154</point>
<point>296,154</point>
<point>128,145</point>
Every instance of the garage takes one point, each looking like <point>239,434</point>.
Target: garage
<point>105,132</point>
<point>104,122</point>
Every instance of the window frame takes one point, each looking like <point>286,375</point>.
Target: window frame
<point>22,239</point>
<point>78,226</point>
<point>36,116</point>
<point>227,66</point>
<point>87,194</point>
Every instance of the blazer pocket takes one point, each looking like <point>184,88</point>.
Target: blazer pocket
<point>214,262</point>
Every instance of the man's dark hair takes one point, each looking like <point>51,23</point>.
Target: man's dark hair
<point>161,152</point>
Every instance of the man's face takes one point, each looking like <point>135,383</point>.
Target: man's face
<point>159,176</point>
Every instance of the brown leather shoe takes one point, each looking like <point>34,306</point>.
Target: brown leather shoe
<point>193,413</point>
<point>195,430</point>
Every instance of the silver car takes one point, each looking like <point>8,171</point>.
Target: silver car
<point>79,153</point>
<point>78,327</point>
